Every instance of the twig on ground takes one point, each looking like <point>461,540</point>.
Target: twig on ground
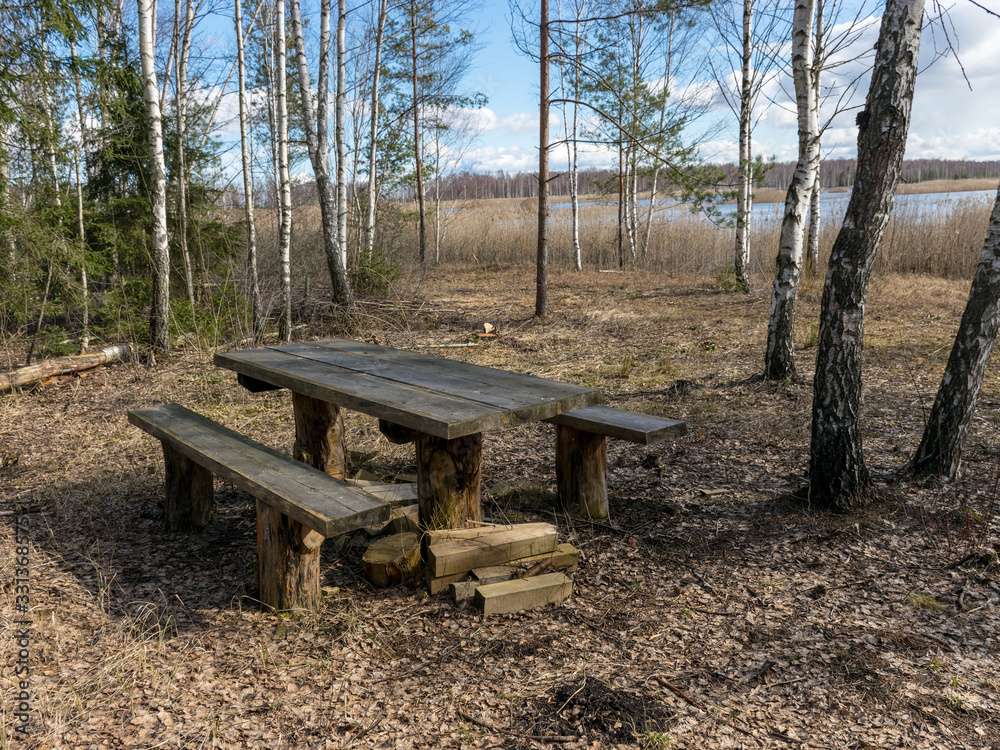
<point>502,730</point>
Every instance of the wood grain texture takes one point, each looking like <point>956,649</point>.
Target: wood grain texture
<point>417,408</point>
<point>438,397</point>
<point>392,559</point>
<point>523,593</point>
<point>287,561</point>
<point>625,425</point>
<point>582,471</point>
<point>503,545</point>
<point>328,505</point>
<point>448,479</point>
<point>319,435</point>
<point>189,499</point>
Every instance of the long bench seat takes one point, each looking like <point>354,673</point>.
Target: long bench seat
<point>297,506</point>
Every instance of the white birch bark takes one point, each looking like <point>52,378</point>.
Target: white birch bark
<point>256,311</point>
<point>778,361</point>
<point>183,34</point>
<point>159,334</point>
<point>373,135</point>
<point>285,229</point>
<point>744,198</point>
<point>341,285</point>
<point>315,126</point>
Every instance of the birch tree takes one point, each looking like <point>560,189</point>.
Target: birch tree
<point>778,361</point>
<point>182,35</point>
<point>940,449</point>
<point>750,32</point>
<point>256,311</point>
<point>284,185</point>
<point>315,123</point>
<point>159,333</point>
<point>838,475</point>
<point>542,259</point>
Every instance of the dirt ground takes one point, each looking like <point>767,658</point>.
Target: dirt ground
<point>709,611</point>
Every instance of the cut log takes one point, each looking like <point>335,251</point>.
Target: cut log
<point>523,593</point>
<point>62,366</point>
<point>448,481</point>
<point>319,435</point>
<point>582,471</point>
<point>287,561</point>
<point>189,497</point>
<point>392,559</point>
<point>495,548</point>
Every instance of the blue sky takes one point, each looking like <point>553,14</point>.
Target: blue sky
<point>949,120</point>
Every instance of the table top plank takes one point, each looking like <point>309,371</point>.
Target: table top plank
<point>527,397</point>
<point>417,408</point>
<point>528,384</point>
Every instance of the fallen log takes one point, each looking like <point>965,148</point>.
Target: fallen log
<point>62,366</point>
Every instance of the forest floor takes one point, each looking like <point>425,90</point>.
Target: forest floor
<point>711,610</point>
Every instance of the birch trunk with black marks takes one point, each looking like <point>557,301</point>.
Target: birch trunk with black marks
<point>159,338</point>
<point>940,449</point>
<point>256,309</point>
<point>180,104</point>
<point>342,287</point>
<point>838,476</point>
<point>542,255</point>
<point>285,229</point>
<point>778,361</point>
<point>744,197</point>
<point>373,135</point>
<point>315,124</point>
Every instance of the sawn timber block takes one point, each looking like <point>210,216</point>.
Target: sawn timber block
<point>523,593</point>
<point>494,548</point>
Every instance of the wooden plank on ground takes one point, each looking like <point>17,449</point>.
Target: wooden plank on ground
<point>625,425</point>
<point>500,546</point>
<point>437,585</point>
<point>327,505</point>
<point>523,593</point>
<point>564,556</point>
<point>494,573</point>
<point>417,408</point>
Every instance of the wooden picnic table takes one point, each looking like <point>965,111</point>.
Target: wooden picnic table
<point>442,405</point>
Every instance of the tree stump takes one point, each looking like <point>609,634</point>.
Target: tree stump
<point>448,481</point>
<point>392,559</point>
<point>287,561</point>
<point>319,435</point>
<point>582,471</point>
<point>189,492</point>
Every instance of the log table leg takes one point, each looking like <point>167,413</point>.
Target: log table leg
<point>287,561</point>
<point>582,471</point>
<point>448,481</point>
<point>189,492</point>
<point>319,435</point>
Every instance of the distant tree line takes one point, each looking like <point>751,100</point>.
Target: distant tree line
<point>468,185</point>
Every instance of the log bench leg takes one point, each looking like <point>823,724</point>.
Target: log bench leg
<point>319,435</point>
<point>287,561</point>
<point>189,492</point>
<point>582,471</point>
<point>448,481</point>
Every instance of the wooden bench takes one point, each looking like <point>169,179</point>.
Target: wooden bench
<point>297,506</point>
<point>582,451</point>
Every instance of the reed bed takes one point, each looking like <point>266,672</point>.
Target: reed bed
<point>943,241</point>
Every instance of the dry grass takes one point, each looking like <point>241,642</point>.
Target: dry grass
<point>142,638</point>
